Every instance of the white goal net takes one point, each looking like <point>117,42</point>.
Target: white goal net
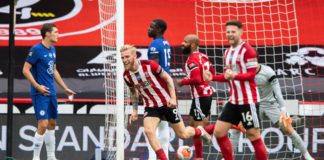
<point>270,26</point>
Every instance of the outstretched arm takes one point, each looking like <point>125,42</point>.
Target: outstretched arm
<point>61,83</point>
<point>195,78</point>
<point>246,76</point>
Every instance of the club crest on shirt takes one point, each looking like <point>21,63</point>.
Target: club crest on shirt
<point>153,49</point>
<point>30,54</point>
<point>42,112</point>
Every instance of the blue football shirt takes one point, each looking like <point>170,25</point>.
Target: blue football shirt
<point>42,60</point>
<point>161,47</point>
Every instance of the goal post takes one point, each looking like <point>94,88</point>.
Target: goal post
<point>120,86</point>
<point>111,14</point>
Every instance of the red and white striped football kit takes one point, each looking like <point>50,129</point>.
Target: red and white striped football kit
<point>195,65</point>
<point>150,85</point>
<point>243,62</point>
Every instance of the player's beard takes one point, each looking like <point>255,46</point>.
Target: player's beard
<point>186,50</point>
<point>131,65</point>
<point>128,66</point>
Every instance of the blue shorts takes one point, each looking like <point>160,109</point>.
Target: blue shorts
<point>45,106</point>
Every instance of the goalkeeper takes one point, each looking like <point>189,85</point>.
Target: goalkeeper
<point>272,106</point>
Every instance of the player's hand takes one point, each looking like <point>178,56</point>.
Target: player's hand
<point>178,82</point>
<point>172,103</point>
<point>285,120</point>
<point>133,117</point>
<point>69,92</point>
<point>207,75</point>
<point>44,90</point>
<point>229,75</point>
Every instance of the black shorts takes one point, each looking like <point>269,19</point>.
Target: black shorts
<point>164,113</point>
<point>248,114</point>
<point>200,108</point>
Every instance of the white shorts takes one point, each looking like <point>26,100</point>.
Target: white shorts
<point>270,111</point>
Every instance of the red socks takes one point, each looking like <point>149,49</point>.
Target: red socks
<point>226,147</point>
<point>260,150</point>
<point>210,128</point>
<point>197,132</point>
<point>160,154</point>
<point>198,146</point>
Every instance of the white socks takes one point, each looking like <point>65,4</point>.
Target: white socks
<point>50,143</point>
<point>299,144</point>
<point>49,138</point>
<point>38,143</point>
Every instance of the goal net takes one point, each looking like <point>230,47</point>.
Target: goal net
<point>270,26</point>
<point>112,29</point>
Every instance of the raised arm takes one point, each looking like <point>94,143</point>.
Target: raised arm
<point>195,78</point>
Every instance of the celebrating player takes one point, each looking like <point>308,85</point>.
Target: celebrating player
<point>241,61</point>
<point>40,70</point>
<point>160,52</point>
<point>147,78</point>
<point>201,91</point>
<point>272,106</point>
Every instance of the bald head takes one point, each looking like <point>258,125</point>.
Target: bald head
<point>190,44</point>
<point>192,39</point>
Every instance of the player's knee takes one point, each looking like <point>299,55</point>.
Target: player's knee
<point>42,126</point>
<point>253,134</point>
<point>218,132</point>
<point>51,124</point>
<point>149,132</point>
<point>182,134</point>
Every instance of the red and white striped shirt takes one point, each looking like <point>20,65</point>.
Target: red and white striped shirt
<point>243,62</point>
<point>195,64</point>
<point>148,82</point>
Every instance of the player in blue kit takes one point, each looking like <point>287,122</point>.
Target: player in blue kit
<point>160,52</point>
<point>40,70</point>
<point>159,49</point>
